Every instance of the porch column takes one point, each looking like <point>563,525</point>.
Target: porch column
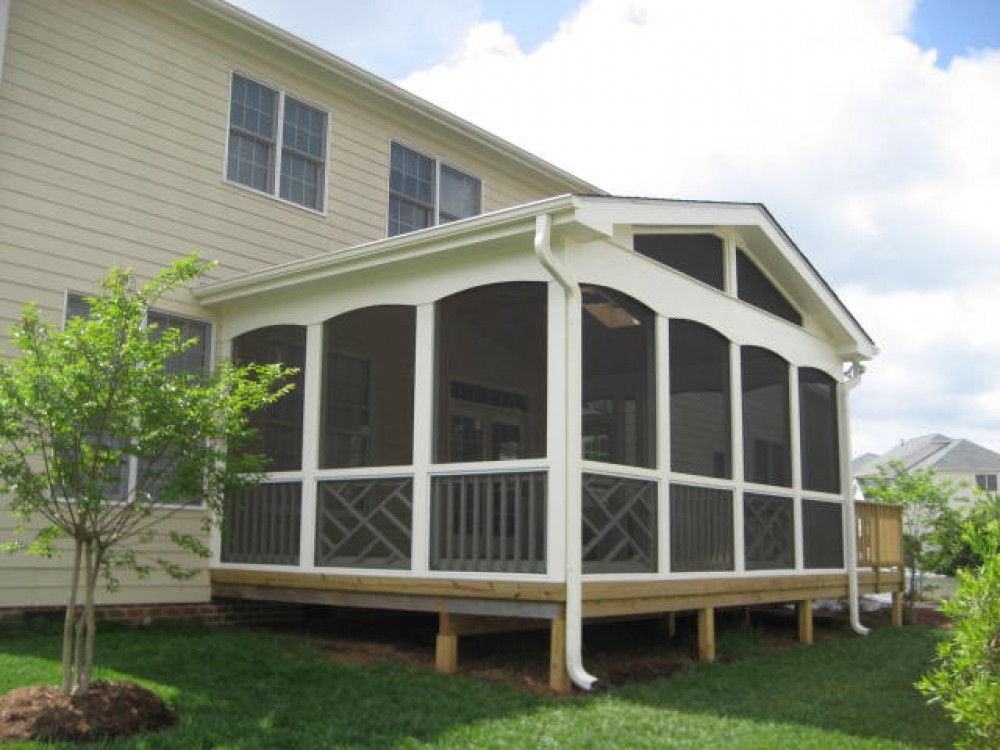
<point>423,437</point>
<point>312,397</point>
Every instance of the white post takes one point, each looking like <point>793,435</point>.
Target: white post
<point>663,443</point>
<point>795,425</point>
<point>423,438</point>
<point>736,420</point>
<point>312,404</point>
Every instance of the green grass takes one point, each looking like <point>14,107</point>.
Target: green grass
<point>244,690</point>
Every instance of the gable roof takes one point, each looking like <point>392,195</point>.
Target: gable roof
<point>935,451</point>
<point>581,217</point>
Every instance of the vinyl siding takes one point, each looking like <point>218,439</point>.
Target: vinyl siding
<point>113,127</point>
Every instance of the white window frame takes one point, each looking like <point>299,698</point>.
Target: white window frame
<point>133,462</point>
<point>436,207</point>
<point>279,146</point>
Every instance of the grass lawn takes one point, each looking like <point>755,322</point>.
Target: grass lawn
<point>242,689</point>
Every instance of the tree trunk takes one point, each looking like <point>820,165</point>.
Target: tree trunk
<point>68,651</point>
<point>93,572</point>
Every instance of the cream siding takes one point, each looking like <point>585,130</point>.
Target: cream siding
<point>113,128</point>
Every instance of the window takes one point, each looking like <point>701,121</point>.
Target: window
<point>754,287</point>
<point>986,482</point>
<point>195,359</point>
<point>424,192</point>
<point>276,144</point>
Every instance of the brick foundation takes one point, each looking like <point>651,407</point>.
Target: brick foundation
<point>216,612</point>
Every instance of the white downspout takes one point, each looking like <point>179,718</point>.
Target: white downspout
<point>573,463</point>
<point>850,520</point>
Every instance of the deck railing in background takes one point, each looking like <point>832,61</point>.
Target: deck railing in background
<point>262,526</point>
<point>880,535</point>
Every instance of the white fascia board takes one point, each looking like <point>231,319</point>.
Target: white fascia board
<point>606,214</point>
<point>431,241</point>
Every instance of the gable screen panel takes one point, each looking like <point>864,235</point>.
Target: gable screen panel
<point>699,256</point>
<point>754,287</point>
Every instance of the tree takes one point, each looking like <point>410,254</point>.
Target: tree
<point>102,440</point>
<point>924,499</point>
<point>967,679</point>
<point>950,549</point>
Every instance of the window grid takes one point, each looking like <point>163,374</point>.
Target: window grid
<point>260,118</point>
<point>423,192</point>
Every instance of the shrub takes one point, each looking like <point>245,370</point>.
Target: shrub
<point>966,681</point>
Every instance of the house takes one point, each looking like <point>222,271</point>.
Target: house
<point>968,466</point>
<point>521,401</point>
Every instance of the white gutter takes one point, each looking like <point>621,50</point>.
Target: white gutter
<point>850,519</point>
<point>573,460</point>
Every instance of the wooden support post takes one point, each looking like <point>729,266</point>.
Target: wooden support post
<point>671,624</point>
<point>706,634</point>
<point>446,649</point>
<point>805,609</point>
<point>558,676</point>
<point>897,609</point>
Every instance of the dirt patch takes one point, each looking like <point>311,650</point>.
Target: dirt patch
<point>108,709</point>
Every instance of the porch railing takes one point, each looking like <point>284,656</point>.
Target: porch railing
<point>489,522</point>
<point>263,526</point>
<point>880,535</point>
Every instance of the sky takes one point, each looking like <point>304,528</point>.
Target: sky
<point>869,128</point>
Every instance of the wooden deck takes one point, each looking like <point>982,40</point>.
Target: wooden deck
<point>468,607</point>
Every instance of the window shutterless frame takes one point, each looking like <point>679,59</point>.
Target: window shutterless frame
<point>276,144</point>
<point>451,194</point>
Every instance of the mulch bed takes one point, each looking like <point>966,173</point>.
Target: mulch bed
<point>108,709</point>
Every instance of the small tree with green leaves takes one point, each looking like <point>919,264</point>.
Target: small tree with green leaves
<point>966,681</point>
<point>102,441</point>
<point>924,499</point>
<point>950,550</point>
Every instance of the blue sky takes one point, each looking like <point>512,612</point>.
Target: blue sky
<point>868,128</point>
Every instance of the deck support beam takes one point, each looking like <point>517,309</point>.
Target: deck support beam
<point>706,634</point>
<point>559,681</point>
<point>805,612</point>
<point>897,609</point>
<point>446,646</point>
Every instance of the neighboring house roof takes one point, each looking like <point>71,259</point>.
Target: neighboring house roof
<point>934,451</point>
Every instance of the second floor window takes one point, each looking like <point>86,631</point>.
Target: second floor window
<point>277,144</point>
<point>424,192</point>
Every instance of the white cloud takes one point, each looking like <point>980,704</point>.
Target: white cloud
<point>884,167</point>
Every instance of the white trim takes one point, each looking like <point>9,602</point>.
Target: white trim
<point>663,445</point>
<point>795,436</point>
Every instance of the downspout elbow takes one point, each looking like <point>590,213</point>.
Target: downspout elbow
<point>574,579</point>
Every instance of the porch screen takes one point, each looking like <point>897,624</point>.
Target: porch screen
<point>492,373</point>
<point>822,534</point>
<point>280,424</point>
<point>819,431</point>
<point>367,412</point>
<point>700,410</point>
<point>619,400</point>
<point>766,418</point>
